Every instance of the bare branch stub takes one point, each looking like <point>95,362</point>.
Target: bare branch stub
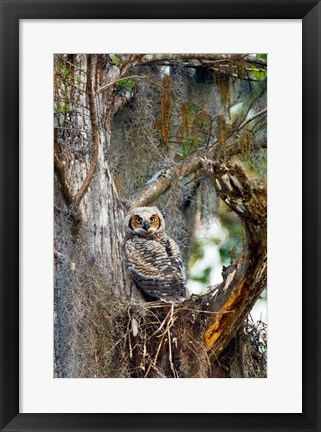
<point>128,62</point>
<point>162,181</point>
<point>244,281</point>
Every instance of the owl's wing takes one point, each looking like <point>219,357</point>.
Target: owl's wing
<point>174,255</point>
<point>156,266</point>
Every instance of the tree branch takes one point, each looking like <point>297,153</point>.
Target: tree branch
<point>163,179</point>
<point>245,122</point>
<point>154,58</point>
<point>255,60</point>
<point>132,77</point>
<point>203,58</point>
<point>244,281</point>
<point>128,62</point>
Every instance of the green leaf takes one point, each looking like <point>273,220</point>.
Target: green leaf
<point>125,83</point>
<point>260,75</point>
<point>115,59</point>
<point>203,277</point>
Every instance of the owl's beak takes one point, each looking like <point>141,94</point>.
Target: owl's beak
<point>146,226</point>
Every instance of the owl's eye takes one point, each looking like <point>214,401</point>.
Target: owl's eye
<point>138,219</point>
<point>152,219</point>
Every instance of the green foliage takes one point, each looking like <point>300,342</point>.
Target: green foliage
<point>230,249</point>
<point>232,246</point>
<point>197,252</point>
<point>260,75</point>
<point>259,92</point>
<point>63,108</point>
<point>203,277</point>
<point>125,83</point>
<point>193,108</point>
<point>63,70</point>
<point>189,145</point>
<point>257,162</point>
<point>139,182</point>
<point>115,59</point>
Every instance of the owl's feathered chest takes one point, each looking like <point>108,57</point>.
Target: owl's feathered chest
<point>149,243</point>
<point>155,264</point>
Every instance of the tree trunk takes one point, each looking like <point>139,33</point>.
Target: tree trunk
<point>87,198</point>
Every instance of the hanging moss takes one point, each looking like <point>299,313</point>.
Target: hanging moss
<point>237,66</point>
<point>222,135</point>
<point>246,143</point>
<point>223,82</point>
<point>202,125</point>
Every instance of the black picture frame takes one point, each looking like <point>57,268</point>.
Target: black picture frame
<point>11,12</point>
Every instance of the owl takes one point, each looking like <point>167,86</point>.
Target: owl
<point>152,257</point>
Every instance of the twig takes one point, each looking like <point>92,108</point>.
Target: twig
<point>71,64</point>
<point>170,322</point>
<point>129,338</point>
<point>112,348</point>
<point>201,311</point>
<point>128,77</point>
<point>162,324</point>
<point>70,84</point>
<point>170,352</point>
<point>258,114</point>
<point>96,360</point>
<point>170,344</point>
<point>153,361</point>
<point>128,62</point>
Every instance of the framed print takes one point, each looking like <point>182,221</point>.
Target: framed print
<point>154,187</point>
